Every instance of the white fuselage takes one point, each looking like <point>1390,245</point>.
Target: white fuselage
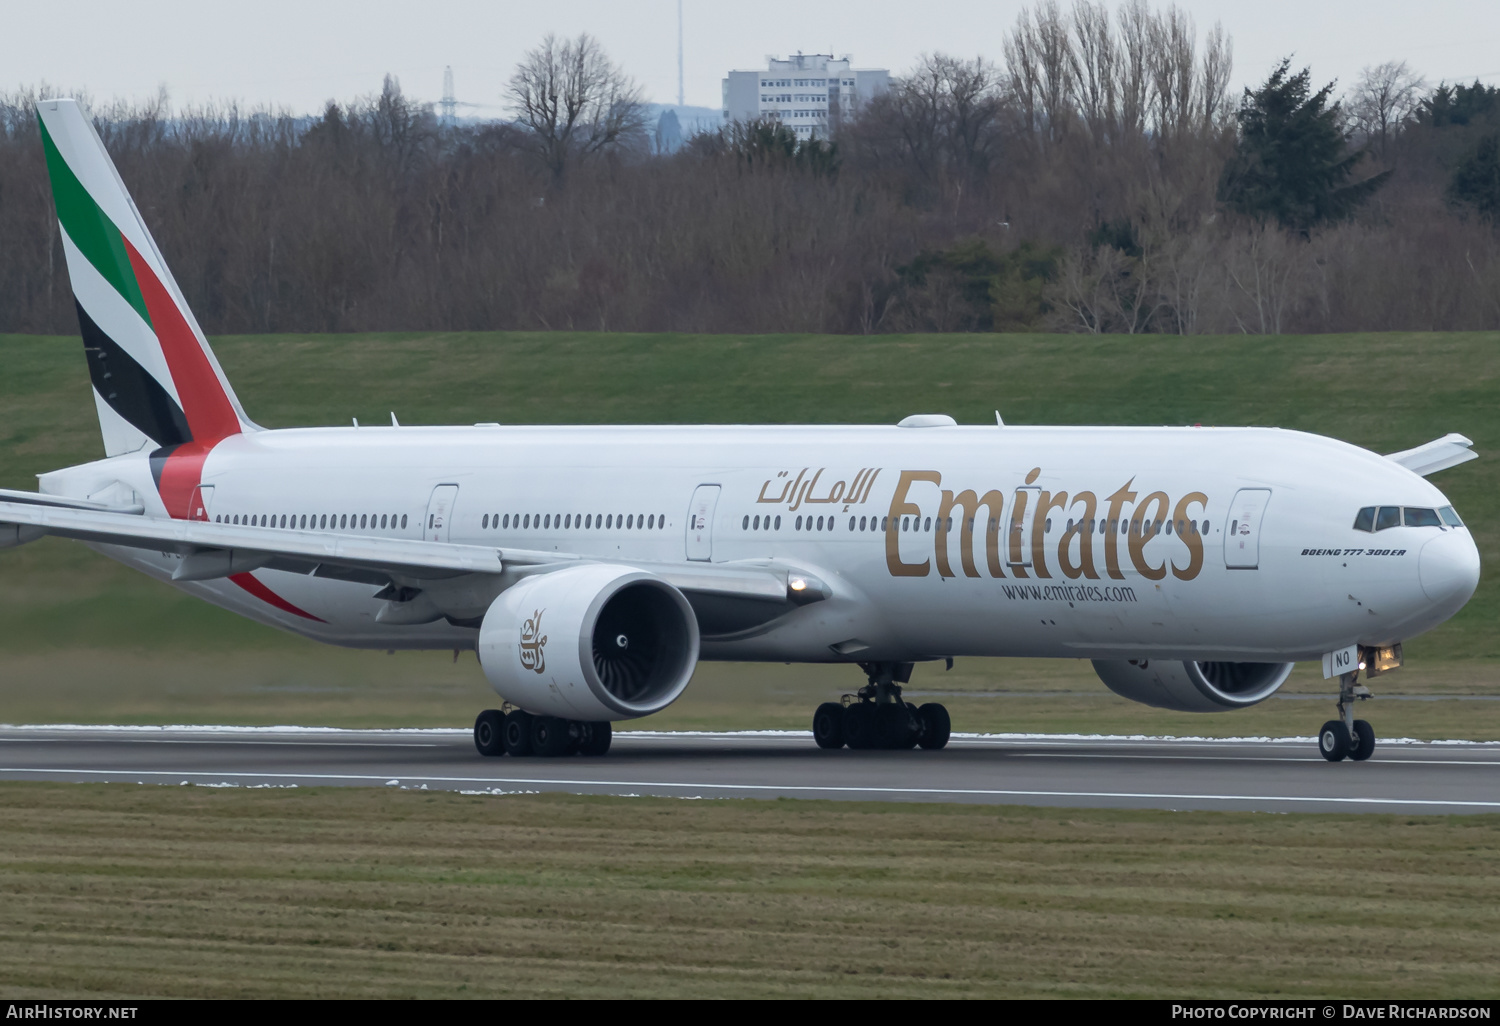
<point>1078,574</point>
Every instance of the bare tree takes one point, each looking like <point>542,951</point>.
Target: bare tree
<point>1096,69</point>
<point>575,102</point>
<point>1385,98</point>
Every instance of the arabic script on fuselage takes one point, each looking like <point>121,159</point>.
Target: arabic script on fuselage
<point>802,490</point>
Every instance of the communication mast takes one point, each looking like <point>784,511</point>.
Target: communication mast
<point>680,101</point>
<point>448,105</point>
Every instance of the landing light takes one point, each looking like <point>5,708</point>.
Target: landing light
<point>1361,666</point>
<point>797,584</point>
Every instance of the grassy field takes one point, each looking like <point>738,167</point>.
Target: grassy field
<point>117,890</point>
<point>84,639</point>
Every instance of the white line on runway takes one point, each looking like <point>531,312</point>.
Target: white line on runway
<point>1252,758</point>
<point>213,741</point>
<point>809,788</point>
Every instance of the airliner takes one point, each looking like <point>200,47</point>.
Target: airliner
<point>591,568</point>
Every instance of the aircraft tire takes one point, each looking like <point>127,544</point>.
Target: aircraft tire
<point>892,726</point>
<point>937,726</point>
<point>489,733</point>
<point>913,725</point>
<point>859,726</point>
<point>1333,741</point>
<point>594,738</point>
<point>828,725</point>
<point>550,736</point>
<point>518,733</point>
<point>1365,747</point>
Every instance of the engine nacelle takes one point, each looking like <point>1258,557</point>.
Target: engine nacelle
<point>592,642</point>
<point>1192,686</point>
<point>12,535</point>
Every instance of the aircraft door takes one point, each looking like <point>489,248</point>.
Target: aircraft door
<point>700,526</point>
<point>1242,533</point>
<point>203,497</point>
<point>440,513</point>
<point>1022,520</point>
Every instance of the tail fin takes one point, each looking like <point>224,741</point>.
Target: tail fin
<point>156,382</point>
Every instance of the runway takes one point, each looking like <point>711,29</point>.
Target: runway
<point>1271,775</point>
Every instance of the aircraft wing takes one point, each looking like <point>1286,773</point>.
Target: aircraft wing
<point>210,551</point>
<point>1440,454</point>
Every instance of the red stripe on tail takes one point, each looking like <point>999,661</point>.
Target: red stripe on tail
<point>210,414</point>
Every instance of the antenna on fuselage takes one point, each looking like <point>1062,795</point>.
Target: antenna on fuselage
<point>998,421</point>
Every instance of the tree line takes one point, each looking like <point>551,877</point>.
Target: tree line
<point>1099,177</point>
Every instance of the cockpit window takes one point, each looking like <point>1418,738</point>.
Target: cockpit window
<point>1416,517</point>
<point>1450,516</point>
<point>1365,521</point>
<point>1388,516</point>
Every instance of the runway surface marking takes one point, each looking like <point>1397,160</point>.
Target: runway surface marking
<point>1265,774</point>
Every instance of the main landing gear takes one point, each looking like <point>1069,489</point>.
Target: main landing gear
<point>1346,737</point>
<point>876,717</point>
<point>521,733</point>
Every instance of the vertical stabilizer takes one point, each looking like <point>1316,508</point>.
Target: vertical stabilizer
<point>156,382</point>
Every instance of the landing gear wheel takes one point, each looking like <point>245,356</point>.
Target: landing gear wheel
<point>489,732</point>
<point>517,733</point>
<point>859,726</point>
<point>893,726</point>
<point>828,725</point>
<point>1364,746</point>
<point>550,737</point>
<point>1333,741</point>
<point>594,738</point>
<point>936,726</point>
<point>913,725</point>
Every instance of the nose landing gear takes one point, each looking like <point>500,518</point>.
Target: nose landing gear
<point>877,717</point>
<point>1346,737</point>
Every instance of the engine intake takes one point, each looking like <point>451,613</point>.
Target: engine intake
<point>1192,686</point>
<point>594,642</point>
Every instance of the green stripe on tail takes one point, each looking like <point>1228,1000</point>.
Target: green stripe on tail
<point>91,230</point>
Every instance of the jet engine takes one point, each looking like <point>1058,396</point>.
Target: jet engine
<point>592,642</point>
<point>1192,686</point>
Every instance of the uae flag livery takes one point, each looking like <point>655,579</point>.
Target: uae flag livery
<point>156,382</point>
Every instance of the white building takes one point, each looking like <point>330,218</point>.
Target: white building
<point>809,93</point>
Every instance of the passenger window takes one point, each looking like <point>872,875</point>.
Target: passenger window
<point>1389,516</point>
<point>1365,519</point>
<point>1417,517</point>
<point>777,525</point>
<point>403,520</point>
<point>1450,516</point>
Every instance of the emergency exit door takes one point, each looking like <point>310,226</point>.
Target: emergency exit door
<point>1022,523</point>
<point>1242,532</point>
<point>440,512</point>
<point>700,525</point>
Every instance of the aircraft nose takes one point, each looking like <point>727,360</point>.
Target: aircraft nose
<point>1449,569</point>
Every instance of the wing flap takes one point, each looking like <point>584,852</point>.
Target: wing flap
<point>212,550</point>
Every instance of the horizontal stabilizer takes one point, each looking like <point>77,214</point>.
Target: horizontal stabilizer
<point>62,501</point>
<point>1445,452</point>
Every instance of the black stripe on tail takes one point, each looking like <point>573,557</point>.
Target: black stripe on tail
<point>129,388</point>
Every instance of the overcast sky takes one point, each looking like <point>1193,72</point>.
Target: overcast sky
<point>300,53</point>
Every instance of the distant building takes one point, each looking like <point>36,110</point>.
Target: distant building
<point>668,132</point>
<point>809,93</point>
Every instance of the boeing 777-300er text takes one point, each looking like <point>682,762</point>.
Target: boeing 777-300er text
<point>591,568</point>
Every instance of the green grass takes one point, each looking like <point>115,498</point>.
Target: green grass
<point>126,891</point>
<point>64,611</point>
